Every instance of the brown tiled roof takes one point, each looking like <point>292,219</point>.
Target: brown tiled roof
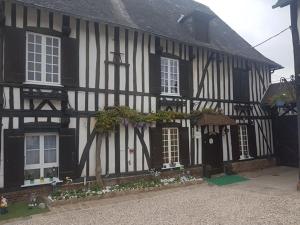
<point>158,17</point>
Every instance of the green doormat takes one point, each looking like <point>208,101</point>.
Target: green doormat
<point>227,179</point>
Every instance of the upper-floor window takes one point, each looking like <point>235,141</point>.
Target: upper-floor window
<point>42,59</point>
<point>169,76</point>
<point>241,85</point>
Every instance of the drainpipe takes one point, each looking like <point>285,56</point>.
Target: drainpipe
<point>297,86</point>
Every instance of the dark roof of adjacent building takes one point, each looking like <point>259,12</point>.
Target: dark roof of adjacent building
<point>282,3</point>
<point>158,17</point>
<point>279,89</point>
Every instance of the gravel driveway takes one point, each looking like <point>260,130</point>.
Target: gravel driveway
<point>268,198</point>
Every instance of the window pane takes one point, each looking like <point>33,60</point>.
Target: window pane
<point>49,41</point>
<point>30,57</point>
<point>50,156</point>
<point>51,172</point>
<point>32,157</point>
<point>55,69</point>
<point>38,76</point>
<point>50,149</point>
<point>50,142</point>
<point>49,59</point>
<point>38,67</point>
<point>48,77</point>
<point>31,66</point>
<point>49,50</point>
<point>31,47</point>
<point>30,38</point>
<point>38,58</point>
<point>55,42</point>
<point>55,78</point>
<point>32,142</point>
<point>32,174</point>
<point>38,39</point>
<point>55,60</point>
<point>55,51</point>
<point>48,68</point>
<point>30,76</point>
<point>38,48</point>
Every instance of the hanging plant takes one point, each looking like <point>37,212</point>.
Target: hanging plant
<point>111,117</point>
<point>282,99</point>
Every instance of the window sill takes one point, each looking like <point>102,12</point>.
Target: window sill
<point>246,158</point>
<point>43,84</point>
<point>169,95</point>
<point>37,182</point>
<point>169,167</point>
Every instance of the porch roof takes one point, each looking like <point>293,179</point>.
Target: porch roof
<point>215,119</point>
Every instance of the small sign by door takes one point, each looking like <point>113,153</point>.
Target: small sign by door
<point>211,141</point>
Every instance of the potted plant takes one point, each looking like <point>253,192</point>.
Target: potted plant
<point>30,178</point>
<point>50,174</point>
<point>42,179</point>
<point>27,179</point>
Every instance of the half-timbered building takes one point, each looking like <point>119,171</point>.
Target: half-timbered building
<point>288,127</point>
<point>62,61</point>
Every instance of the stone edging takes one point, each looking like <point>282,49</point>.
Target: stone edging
<point>51,204</point>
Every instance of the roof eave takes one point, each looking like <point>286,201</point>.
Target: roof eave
<point>282,3</point>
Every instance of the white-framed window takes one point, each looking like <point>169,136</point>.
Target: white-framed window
<point>169,76</point>
<point>243,142</point>
<point>170,141</point>
<point>41,156</point>
<point>42,59</point>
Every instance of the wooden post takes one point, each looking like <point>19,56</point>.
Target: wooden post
<point>297,86</point>
<point>98,170</point>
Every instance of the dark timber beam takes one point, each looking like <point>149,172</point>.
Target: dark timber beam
<point>260,78</point>
<point>86,151</point>
<point>204,72</point>
<point>144,146</point>
<point>264,137</point>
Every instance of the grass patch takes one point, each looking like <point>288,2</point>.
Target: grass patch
<point>20,209</point>
<point>226,180</point>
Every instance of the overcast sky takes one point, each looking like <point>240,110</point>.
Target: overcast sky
<point>255,21</point>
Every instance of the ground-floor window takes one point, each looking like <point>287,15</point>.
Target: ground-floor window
<point>170,141</point>
<point>243,142</point>
<point>41,157</point>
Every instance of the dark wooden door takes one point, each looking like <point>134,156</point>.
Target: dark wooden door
<point>212,153</point>
<point>286,140</point>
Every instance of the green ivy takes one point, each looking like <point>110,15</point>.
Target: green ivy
<point>110,117</point>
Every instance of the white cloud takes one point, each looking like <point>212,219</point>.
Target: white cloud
<point>255,21</point>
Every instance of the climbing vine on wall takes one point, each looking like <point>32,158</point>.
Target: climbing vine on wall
<point>110,117</point>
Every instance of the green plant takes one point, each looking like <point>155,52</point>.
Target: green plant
<point>29,176</point>
<point>286,98</point>
<point>110,117</point>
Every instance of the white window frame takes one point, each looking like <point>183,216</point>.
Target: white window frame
<point>169,147</point>
<point>41,166</point>
<point>169,87</point>
<point>243,138</point>
<point>43,61</point>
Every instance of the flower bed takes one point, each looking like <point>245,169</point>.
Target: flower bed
<point>142,185</point>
